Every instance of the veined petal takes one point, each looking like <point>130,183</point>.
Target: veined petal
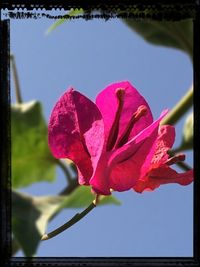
<point>163,175</point>
<point>165,140</point>
<point>158,151</point>
<point>76,132</point>
<point>107,103</point>
<point>126,163</point>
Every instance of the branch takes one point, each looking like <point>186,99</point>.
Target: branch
<point>65,170</point>
<point>180,109</point>
<point>16,80</point>
<point>175,114</point>
<point>73,185</point>
<point>77,217</point>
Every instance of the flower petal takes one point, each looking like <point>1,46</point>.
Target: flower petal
<point>164,142</point>
<point>126,163</point>
<point>130,148</point>
<point>108,104</point>
<point>124,175</point>
<point>158,151</point>
<point>76,132</point>
<point>100,180</point>
<point>163,175</point>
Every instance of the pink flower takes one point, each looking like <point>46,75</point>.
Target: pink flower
<point>114,143</point>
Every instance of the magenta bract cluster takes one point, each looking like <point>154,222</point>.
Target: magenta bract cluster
<point>114,143</point>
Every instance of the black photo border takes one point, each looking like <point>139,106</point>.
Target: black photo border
<point>161,10</point>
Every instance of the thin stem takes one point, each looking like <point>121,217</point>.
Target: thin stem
<point>66,191</point>
<point>71,222</point>
<point>65,170</point>
<point>16,80</point>
<point>70,187</point>
<point>180,109</point>
<point>175,114</point>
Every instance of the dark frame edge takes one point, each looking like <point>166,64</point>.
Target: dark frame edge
<point>196,133</point>
<point>97,4</point>
<point>5,139</point>
<point>5,172</point>
<point>106,261</point>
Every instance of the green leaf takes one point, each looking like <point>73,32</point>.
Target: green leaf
<point>180,109</point>
<point>31,159</point>
<point>177,34</point>
<point>30,216</point>
<point>15,246</point>
<point>188,131</point>
<point>82,197</point>
<point>187,139</point>
<point>73,12</point>
<point>187,136</point>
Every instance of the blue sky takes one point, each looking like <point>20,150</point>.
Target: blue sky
<point>89,55</point>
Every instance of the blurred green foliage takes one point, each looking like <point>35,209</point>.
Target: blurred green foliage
<point>31,214</point>
<point>31,158</point>
<point>175,34</point>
